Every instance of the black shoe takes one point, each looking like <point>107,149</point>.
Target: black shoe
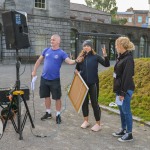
<point>58,119</point>
<point>127,137</point>
<point>46,116</point>
<point>120,133</point>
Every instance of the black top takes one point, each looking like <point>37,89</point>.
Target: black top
<point>124,70</point>
<point>89,67</point>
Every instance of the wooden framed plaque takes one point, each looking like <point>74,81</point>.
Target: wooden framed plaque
<point>78,91</point>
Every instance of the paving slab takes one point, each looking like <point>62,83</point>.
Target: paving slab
<point>68,135</point>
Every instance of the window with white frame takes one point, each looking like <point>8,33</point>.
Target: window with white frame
<point>40,4</point>
<point>139,19</point>
<point>130,19</point>
<point>41,43</point>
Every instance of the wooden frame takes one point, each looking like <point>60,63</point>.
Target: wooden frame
<point>78,92</point>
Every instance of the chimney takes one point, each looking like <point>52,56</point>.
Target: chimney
<point>130,9</point>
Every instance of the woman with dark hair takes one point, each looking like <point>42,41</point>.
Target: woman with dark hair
<point>88,69</point>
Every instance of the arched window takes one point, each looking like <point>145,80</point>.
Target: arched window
<point>73,44</point>
<point>130,36</point>
<point>95,41</point>
<point>143,47</point>
<point>112,50</point>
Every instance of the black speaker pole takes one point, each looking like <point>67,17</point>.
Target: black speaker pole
<point>17,71</point>
<point>18,96</point>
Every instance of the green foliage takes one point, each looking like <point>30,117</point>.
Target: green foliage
<point>140,102</point>
<point>113,12</point>
<point>103,5</point>
<point>108,6</point>
<point>121,21</point>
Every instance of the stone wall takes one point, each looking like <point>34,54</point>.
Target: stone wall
<point>101,18</point>
<point>55,19</point>
<point>83,12</point>
<point>41,29</point>
<point>42,23</point>
<point>134,33</point>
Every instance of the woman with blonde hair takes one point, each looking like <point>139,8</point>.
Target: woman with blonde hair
<point>124,86</point>
<point>88,69</point>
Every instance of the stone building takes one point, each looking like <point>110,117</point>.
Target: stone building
<point>45,18</point>
<point>82,12</point>
<point>101,34</point>
<point>74,23</point>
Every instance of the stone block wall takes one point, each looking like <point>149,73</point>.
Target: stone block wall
<point>41,29</point>
<point>88,16</point>
<point>42,24</point>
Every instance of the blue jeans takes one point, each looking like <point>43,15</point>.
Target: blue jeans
<point>125,112</point>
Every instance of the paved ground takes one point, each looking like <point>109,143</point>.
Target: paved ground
<point>68,135</point>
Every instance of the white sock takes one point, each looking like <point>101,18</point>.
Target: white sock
<point>48,110</point>
<point>57,113</point>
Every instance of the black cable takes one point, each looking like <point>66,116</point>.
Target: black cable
<point>58,125</point>
<point>31,129</point>
<point>29,54</point>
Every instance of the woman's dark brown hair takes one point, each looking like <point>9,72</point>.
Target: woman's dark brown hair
<point>83,53</point>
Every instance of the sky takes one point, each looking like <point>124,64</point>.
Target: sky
<point>123,5</point>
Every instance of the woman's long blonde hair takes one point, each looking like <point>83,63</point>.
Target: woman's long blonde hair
<point>125,43</point>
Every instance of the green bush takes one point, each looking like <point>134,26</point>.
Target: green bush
<point>140,102</point>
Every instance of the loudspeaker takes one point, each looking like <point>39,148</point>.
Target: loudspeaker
<point>16,30</point>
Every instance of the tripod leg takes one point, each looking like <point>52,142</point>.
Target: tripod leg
<point>25,103</point>
<point>5,123</point>
<point>19,117</point>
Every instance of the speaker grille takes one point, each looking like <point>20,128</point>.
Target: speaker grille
<point>16,30</point>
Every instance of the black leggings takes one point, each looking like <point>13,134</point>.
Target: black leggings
<point>94,101</point>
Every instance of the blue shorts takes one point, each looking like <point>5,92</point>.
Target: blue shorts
<point>50,87</point>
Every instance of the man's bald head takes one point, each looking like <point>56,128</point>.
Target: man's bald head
<point>55,41</point>
<point>57,37</point>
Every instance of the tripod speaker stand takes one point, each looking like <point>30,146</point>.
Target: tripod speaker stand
<point>18,95</point>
